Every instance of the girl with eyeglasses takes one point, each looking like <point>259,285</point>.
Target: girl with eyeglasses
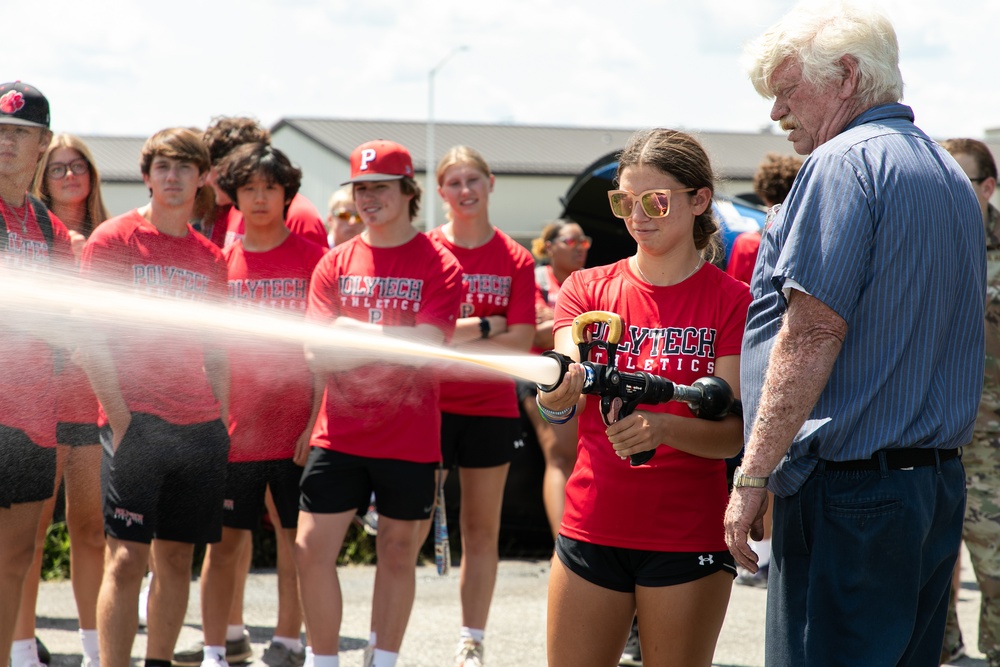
<point>648,539</point>
<point>480,421</point>
<point>68,182</point>
<point>564,245</point>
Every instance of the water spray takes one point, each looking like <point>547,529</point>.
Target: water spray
<point>65,309</point>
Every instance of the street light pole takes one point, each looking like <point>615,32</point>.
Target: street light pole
<point>429,181</point>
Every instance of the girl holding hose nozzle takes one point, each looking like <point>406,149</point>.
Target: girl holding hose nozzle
<point>649,539</point>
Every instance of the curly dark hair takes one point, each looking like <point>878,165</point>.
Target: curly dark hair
<point>681,156</point>
<point>227,132</point>
<point>774,177</point>
<point>249,160</point>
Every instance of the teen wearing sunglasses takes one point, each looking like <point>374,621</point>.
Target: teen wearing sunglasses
<point>649,539</point>
<point>343,222</point>
<point>480,421</point>
<point>565,246</point>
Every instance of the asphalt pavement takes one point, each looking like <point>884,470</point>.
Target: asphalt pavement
<point>515,636</point>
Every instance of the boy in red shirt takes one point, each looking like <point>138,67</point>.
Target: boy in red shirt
<point>31,238</point>
<point>164,399</point>
<point>271,402</point>
<point>379,423</point>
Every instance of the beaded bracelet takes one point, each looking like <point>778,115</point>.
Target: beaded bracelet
<point>554,416</point>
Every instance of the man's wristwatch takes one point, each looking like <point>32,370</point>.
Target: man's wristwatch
<point>484,327</point>
<point>739,479</point>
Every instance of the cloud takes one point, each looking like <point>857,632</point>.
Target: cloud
<point>119,67</point>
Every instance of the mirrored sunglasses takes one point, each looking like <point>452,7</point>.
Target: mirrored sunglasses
<point>346,216</point>
<point>574,241</point>
<point>655,203</point>
<point>57,170</point>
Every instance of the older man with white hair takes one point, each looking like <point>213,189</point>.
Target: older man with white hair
<point>863,355</point>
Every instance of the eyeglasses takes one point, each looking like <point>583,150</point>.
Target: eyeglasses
<point>346,216</point>
<point>979,180</point>
<point>655,203</point>
<point>58,170</point>
<point>574,241</point>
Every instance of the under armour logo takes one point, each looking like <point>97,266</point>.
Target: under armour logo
<point>518,443</point>
<point>706,560</point>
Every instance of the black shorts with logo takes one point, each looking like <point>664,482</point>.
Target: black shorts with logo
<point>335,482</point>
<point>478,442</point>
<point>165,481</point>
<point>246,484</point>
<point>621,569</point>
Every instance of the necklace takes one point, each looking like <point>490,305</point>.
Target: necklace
<point>635,263</point>
<point>22,217</point>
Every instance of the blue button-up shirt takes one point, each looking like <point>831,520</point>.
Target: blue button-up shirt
<point>882,226</point>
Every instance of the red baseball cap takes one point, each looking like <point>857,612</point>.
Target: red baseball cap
<point>379,160</point>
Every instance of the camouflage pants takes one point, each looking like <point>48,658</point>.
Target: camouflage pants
<point>982,538</point>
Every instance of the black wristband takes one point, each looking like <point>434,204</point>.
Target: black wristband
<point>484,327</point>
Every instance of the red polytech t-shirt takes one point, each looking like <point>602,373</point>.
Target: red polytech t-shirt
<point>385,409</point>
<point>744,256</point>
<point>160,372</point>
<point>676,501</point>
<point>270,396</point>
<point>27,382</point>
<point>77,403</point>
<point>499,279</point>
<point>302,219</point>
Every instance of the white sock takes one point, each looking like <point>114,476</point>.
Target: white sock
<point>288,642</point>
<point>90,649</point>
<point>310,658</point>
<point>472,633</point>
<point>234,633</point>
<point>24,653</point>
<point>763,551</point>
<point>384,658</point>
<point>372,639</point>
<point>217,652</point>
<point>326,660</point>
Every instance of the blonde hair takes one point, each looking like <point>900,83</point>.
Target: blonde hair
<point>461,155</point>
<point>95,210</point>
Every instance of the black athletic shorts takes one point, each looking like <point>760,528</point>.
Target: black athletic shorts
<point>246,484</point>
<point>77,435</point>
<point>165,481</point>
<point>621,569</point>
<point>335,482</point>
<point>478,442</point>
<point>28,470</point>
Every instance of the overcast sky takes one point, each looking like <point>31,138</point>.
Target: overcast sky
<point>130,67</point>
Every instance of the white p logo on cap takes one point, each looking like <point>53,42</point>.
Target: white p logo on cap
<point>367,155</point>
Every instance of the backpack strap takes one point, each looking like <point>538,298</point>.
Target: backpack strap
<point>42,218</point>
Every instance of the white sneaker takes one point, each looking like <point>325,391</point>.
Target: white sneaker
<point>214,662</point>
<point>144,599</point>
<point>470,654</point>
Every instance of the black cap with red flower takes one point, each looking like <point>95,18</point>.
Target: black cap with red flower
<point>21,104</point>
